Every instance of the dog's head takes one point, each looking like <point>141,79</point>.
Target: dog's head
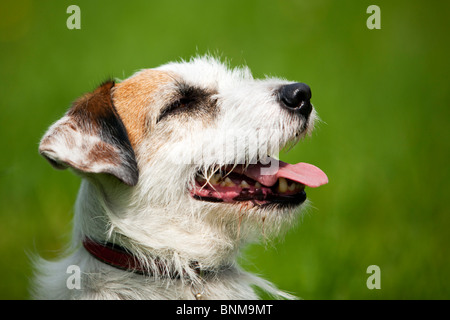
<point>185,153</point>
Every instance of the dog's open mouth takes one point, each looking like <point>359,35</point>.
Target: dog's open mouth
<point>274,183</point>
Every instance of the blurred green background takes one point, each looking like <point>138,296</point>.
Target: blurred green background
<point>384,143</point>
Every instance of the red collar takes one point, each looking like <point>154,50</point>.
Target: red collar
<point>114,255</point>
<point>119,257</point>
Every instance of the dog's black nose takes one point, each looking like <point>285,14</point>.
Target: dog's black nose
<point>296,96</point>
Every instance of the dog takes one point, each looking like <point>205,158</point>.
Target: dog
<point>179,173</point>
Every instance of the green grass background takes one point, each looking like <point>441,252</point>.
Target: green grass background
<point>382,94</point>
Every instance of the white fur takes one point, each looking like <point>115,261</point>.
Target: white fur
<point>159,219</point>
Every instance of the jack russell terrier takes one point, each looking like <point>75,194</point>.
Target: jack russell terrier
<point>178,173</point>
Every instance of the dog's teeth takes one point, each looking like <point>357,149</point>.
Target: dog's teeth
<point>229,183</point>
<point>215,178</point>
<point>244,184</point>
<point>292,186</point>
<point>282,185</point>
<point>258,185</point>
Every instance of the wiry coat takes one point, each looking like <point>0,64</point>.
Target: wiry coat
<point>138,146</point>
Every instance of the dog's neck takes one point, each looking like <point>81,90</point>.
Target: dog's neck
<point>140,239</point>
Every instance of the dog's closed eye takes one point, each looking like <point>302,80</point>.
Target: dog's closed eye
<point>177,106</point>
<point>188,99</point>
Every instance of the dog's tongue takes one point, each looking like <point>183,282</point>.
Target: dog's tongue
<point>303,173</point>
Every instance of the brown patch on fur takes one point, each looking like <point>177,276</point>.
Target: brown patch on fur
<point>133,98</point>
<point>103,152</point>
<point>94,105</point>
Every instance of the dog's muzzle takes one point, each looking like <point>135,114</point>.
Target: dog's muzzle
<point>284,186</point>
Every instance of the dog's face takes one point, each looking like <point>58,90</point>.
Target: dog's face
<point>193,146</point>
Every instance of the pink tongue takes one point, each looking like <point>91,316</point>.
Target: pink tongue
<point>303,173</point>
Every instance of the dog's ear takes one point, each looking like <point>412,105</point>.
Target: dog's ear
<point>92,138</point>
